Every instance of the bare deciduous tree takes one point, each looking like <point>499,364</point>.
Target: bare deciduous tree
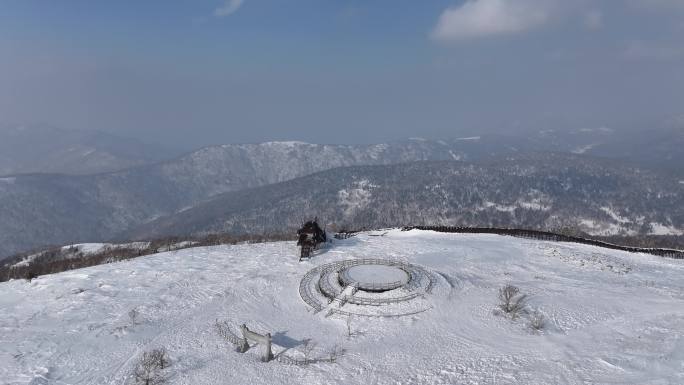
<point>512,302</point>
<point>160,357</point>
<point>148,371</point>
<point>134,315</point>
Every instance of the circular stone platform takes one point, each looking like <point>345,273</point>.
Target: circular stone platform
<point>371,287</point>
<point>375,277</point>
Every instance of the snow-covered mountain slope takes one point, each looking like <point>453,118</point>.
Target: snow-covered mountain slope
<point>540,191</point>
<point>611,317</point>
<point>42,210</point>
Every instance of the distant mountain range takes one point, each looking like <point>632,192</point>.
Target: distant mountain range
<point>542,191</point>
<point>45,149</point>
<point>658,147</point>
<point>47,209</point>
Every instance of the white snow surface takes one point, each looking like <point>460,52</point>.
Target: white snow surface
<point>583,149</point>
<point>611,317</point>
<point>594,227</point>
<point>661,229</point>
<point>376,274</point>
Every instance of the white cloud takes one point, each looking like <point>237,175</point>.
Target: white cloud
<point>228,8</point>
<point>482,18</point>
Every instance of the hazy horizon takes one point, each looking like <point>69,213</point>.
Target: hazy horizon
<point>189,74</point>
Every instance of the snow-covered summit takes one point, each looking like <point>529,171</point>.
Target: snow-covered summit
<point>610,316</point>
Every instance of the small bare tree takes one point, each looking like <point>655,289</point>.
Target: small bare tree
<point>160,357</point>
<point>148,371</point>
<point>537,321</point>
<point>134,315</point>
<point>512,302</point>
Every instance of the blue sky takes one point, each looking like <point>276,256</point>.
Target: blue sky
<point>203,72</point>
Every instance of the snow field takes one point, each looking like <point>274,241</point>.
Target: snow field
<point>377,274</point>
<point>611,317</point>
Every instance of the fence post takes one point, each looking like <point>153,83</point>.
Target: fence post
<point>264,339</point>
<point>244,345</point>
<point>269,353</point>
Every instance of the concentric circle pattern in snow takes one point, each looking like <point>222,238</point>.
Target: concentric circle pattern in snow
<point>369,287</point>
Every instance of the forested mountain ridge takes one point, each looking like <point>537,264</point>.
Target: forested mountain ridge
<point>47,209</point>
<point>39,210</point>
<point>541,191</point>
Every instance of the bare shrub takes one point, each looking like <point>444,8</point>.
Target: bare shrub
<point>512,302</point>
<point>537,320</point>
<point>134,315</point>
<point>160,357</point>
<point>148,371</point>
